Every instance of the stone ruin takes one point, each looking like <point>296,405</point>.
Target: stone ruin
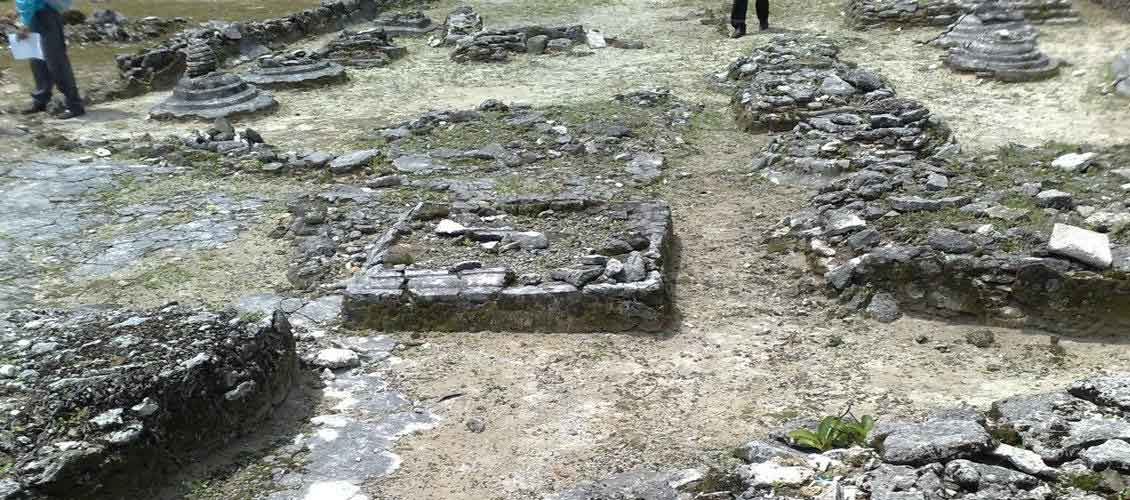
<point>497,45</point>
<point>1035,11</point>
<point>372,48</point>
<point>215,95</point>
<point>100,401</point>
<point>200,60</point>
<point>863,14</point>
<point>902,219</point>
<point>461,22</point>
<point>838,115</point>
<point>1065,444</point>
<point>160,67</point>
<point>620,286</point>
<point>1120,70</point>
<point>1003,54</point>
<point>987,18</point>
<point>297,68</point>
<point>411,24</point>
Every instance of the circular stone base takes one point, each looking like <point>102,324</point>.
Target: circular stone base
<point>218,95</point>
<point>319,73</point>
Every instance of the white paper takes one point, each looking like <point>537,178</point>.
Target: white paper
<point>28,48</point>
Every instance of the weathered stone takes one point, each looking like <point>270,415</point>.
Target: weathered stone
<point>1086,246</point>
<point>1075,162</point>
<point>950,241</point>
<point>982,338</point>
<point>578,276</point>
<point>352,161</point>
<point>884,308</point>
<point>1055,199</point>
<point>937,182</point>
<point>335,358</point>
<point>759,451</point>
<point>934,441</point>
<point>1111,390</point>
<point>1113,454</point>
<point>1024,461</point>
<point>635,267</point>
<point>837,222</point>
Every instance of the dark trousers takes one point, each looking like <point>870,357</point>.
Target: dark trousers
<point>737,15</point>
<point>55,69</point>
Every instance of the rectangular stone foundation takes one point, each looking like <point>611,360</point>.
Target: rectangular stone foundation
<point>487,299</point>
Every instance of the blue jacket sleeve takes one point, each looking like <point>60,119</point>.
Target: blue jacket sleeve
<point>27,10</point>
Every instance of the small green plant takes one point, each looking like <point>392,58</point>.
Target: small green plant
<point>836,432</point>
<point>1086,482</point>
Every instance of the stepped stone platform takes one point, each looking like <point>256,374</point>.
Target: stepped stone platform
<point>1002,54</point>
<point>372,48</point>
<point>524,269</point>
<point>216,95</point>
<point>412,24</point>
<point>100,402</point>
<point>988,17</point>
<point>1035,11</point>
<point>296,69</point>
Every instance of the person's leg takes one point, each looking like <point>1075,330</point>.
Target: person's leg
<point>43,83</point>
<point>762,7</point>
<point>737,16</point>
<point>50,24</point>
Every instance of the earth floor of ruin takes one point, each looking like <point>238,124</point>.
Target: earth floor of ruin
<point>755,343</point>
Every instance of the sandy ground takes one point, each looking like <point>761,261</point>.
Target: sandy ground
<point>754,344</point>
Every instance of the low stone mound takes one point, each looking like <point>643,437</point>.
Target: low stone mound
<point>371,48</point>
<point>100,401</point>
<point>506,276</point>
<point>217,95</point>
<point>497,45</point>
<point>295,69</point>
<point>863,14</point>
<point>988,17</point>
<point>1002,54</point>
<point>1120,70</point>
<point>1028,237</point>
<point>410,24</point>
<point>1065,444</point>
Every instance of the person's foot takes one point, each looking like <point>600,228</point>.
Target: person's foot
<point>764,26</point>
<point>33,109</point>
<point>71,113</point>
<point>739,31</point>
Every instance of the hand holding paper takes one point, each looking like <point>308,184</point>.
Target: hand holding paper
<point>25,48</point>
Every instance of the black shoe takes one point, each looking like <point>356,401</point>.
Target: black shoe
<point>33,109</point>
<point>739,31</point>
<point>71,113</point>
<point>764,26</point>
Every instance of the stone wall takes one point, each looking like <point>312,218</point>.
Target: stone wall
<point>387,298</point>
<point>111,400</point>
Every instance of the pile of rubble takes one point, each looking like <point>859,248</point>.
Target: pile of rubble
<point>372,48</point>
<point>1066,444</point>
<point>100,401</point>
<point>460,23</point>
<point>1028,237</point>
<point>1120,70</point>
<point>841,117</point>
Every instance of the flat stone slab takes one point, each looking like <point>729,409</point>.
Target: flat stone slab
<point>303,73</point>
<point>625,290</point>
